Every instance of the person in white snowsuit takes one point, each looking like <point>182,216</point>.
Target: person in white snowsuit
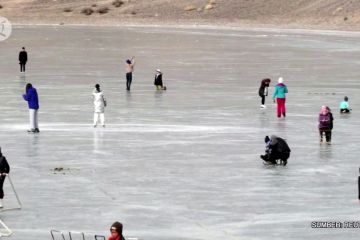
<point>99,106</point>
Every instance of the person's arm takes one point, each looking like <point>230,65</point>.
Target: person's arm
<point>286,90</point>
<point>275,93</point>
<point>26,96</point>
<point>19,56</point>
<point>132,61</point>
<point>26,57</point>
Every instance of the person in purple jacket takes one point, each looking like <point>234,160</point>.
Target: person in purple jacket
<point>325,124</point>
<point>32,98</point>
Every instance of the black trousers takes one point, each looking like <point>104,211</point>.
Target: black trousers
<point>22,67</point>
<point>344,110</point>
<point>2,179</point>
<point>327,134</point>
<point>263,100</point>
<point>275,156</point>
<point>128,80</point>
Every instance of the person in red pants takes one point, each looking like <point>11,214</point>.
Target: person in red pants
<point>280,96</point>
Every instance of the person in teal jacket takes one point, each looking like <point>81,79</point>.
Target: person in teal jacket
<point>344,106</point>
<point>280,96</point>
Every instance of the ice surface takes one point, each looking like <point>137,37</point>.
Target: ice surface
<point>182,164</point>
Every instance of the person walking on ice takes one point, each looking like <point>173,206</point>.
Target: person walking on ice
<point>23,57</point>
<point>158,82</point>
<point>280,96</point>
<point>99,106</point>
<point>130,63</point>
<point>325,124</point>
<point>263,91</point>
<point>4,170</point>
<point>31,96</point>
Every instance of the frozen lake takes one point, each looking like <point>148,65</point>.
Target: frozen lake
<point>183,164</point>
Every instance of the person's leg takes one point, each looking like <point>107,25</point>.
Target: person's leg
<point>130,80</point>
<point>127,81</point>
<point>2,179</point>
<point>32,119</point>
<point>278,100</point>
<point>36,121</point>
<point>321,135</point>
<point>24,67</point>
<point>283,107</point>
<point>95,118</point>
<point>328,135</point>
<point>21,67</point>
<point>284,158</point>
<point>263,100</point>
<point>102,119</point>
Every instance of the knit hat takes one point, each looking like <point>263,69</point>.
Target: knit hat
<point>281,80</point>
<point>118,227</point>
<point>158,70</point>
<point>267,139</point>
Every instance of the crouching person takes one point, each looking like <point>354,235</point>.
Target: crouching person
<point>158,82</point>
<point>276,149</point>
<point>116,231</point>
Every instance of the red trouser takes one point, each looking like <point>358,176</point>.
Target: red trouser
<point>281,110</point>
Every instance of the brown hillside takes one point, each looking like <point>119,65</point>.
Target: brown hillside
<point>329,14</point>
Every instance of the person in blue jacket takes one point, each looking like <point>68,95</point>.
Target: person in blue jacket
<point>32,98</point>
<point>280,96</point>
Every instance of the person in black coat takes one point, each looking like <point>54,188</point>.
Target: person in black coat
<point>23,57</point>
<point>276,148</point>
<point>263,91</point>
<point>158,82</point>
<point>4,169</point>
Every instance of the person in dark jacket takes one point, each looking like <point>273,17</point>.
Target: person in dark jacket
<point>4,170</point>
<point>158,80</point>
<point>116,231</point>
<point>23,57</point>
<point>326,124</point>
<point>32,98</point>
<point>276,149</point>
<point>263,91</point>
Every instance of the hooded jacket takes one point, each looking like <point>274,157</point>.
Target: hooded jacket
<point>280,91</point>
<point>32,98</point>
<point>326,121</point>
<point>158,80</point>
<point>279,145</point>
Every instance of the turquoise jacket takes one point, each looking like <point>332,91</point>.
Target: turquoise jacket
<point>280,91</point>
<point>344,105</point>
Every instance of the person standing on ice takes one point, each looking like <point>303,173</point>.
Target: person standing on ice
<point>99,105</point>
<point>158,82</point>
<point>263,91</point>
<point>116,231</point>
<point>280,96</point>
<point>23,57</point>
<point>325,124</point>
<point>31,96</point>
<point>129,67</point>
<point>4,170</point>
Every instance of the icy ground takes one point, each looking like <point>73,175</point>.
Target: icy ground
<point>183,164</point>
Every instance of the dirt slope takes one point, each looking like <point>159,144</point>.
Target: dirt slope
<point>324,14</point>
